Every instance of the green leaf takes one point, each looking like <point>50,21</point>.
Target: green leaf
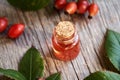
<point>103,75</point>
<point>31,65</point>
<point>29,4</point>
<point>12,74</point>
<point>112,46</point>
<point>56,76</point>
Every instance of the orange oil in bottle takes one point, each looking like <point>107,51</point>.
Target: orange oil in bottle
<point>66,44</point>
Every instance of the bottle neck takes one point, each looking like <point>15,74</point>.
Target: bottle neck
<point>67,41</point>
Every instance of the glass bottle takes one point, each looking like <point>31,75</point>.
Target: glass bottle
<point>65,41</point>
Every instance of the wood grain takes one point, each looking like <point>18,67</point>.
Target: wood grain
<point>38,32</point>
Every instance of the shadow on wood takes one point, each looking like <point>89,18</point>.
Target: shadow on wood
<point>5,78</point>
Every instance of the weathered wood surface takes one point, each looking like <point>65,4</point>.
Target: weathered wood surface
<point>39,30</point>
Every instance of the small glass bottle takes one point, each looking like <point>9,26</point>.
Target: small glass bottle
<point>65,41</point>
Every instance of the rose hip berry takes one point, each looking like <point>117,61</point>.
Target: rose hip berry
<point>93,10</point>
<point>3,23</point>
<point>82,6</point>
<point>60,4</point>
<point>16,30</point>
<point>71,7</point>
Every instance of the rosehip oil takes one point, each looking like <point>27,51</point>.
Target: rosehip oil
<point>65,40</point>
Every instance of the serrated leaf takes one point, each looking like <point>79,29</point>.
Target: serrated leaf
<point>12,74</point>
<point>56,76</point>
<point>103,75</point>
<point>31,65</point>
<point>112,46</point>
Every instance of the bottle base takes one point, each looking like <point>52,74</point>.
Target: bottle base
<point>67,55</point>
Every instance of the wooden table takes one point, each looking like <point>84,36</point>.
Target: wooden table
<point>38,32</point>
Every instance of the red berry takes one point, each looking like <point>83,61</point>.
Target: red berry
<point>3,23</point>
<point>71,7</point>
<point>60,4</point>
<point>16,30</point>
<point>82,6</point>
<point>93,10</point>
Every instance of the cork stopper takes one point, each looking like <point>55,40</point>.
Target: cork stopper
<point>64,30</point>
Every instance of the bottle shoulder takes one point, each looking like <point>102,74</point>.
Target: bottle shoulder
<point>66,44</point>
